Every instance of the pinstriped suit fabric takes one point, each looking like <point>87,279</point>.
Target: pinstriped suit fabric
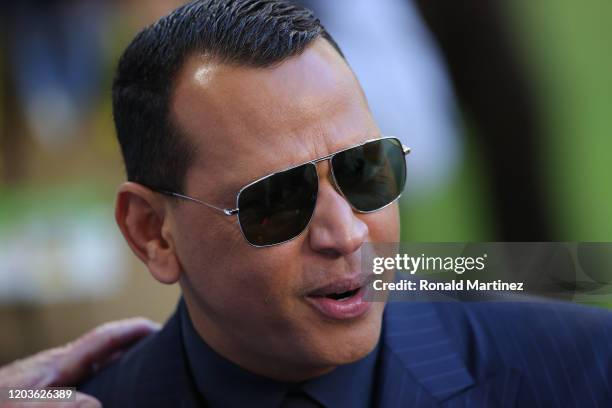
<point>453,354</point>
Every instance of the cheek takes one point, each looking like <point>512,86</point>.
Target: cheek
<point>384,225</point>
<point>206,249</point>
<point>219,265</point>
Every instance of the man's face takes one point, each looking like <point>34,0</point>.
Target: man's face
<point>251,304</point>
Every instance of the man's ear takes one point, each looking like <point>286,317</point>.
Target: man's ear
<point>145,224</point>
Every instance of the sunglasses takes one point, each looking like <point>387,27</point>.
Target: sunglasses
<point>278,207</point>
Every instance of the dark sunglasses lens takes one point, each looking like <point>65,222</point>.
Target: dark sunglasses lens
<point>279,207</point>
<point>373,175</point>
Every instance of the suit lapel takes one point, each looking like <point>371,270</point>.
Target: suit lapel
<point>499,390</point>
<point>421,367</point>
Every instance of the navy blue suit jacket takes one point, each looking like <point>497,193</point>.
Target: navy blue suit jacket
<point>452,354</point>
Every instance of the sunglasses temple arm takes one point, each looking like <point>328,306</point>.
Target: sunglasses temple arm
<point>226,211</point>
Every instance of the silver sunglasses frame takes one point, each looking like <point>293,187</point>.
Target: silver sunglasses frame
<point>235,211</point>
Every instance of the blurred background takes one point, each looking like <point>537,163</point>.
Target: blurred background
<point>506,104</point>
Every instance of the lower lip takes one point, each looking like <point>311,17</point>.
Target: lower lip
<point>349,308</point>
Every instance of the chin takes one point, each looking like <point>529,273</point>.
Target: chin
<point>356,351</point>
<point>355,341</point>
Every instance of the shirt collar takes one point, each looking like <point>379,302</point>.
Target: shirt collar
<point>218,379</point>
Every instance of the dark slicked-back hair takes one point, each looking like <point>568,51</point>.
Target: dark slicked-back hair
<point>254,33</point>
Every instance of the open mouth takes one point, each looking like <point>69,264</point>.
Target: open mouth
<point>341,296</point>
<point>341,300</point>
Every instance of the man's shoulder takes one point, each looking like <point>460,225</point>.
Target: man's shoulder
<point>110,382</point>
<point>534,334</point>
<point>513,314</point>
<point>559,352</point>
<point>527,319</point>
<point>148,374</point>
<point>520,320</point>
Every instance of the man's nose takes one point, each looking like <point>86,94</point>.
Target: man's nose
<point>334,228</point>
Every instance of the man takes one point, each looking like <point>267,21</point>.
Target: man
<point>256,176</point>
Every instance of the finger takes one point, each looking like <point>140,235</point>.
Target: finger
<point>86,401</point>
<point>81,401</point>
<point>98,345</point>
<point>70,364</point>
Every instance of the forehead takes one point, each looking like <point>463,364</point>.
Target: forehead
<point>247,122</point>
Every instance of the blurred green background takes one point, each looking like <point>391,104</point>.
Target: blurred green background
<point>566,49</point>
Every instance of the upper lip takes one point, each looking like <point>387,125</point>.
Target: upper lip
<point>340,285</point>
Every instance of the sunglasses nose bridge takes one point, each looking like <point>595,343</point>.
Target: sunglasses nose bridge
<point>333,179</point>
<point>334,182</point>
